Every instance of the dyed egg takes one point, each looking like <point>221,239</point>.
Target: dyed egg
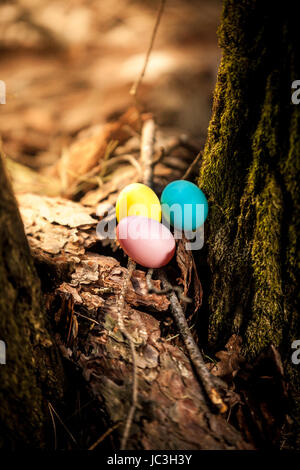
<point>146,241</point>
<point>138,199</point>
<point>184,205</point>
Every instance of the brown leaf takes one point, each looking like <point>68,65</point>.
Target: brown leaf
<point>85,153</point>
<point>230,360</point>
<point>186,263</point>
<point>263,392</point>
<point>57,210</point>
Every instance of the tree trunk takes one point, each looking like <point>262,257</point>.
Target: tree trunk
<point>31,368</point>
<point>249,173</point>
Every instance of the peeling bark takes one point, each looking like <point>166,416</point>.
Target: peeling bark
<point>172,410</point>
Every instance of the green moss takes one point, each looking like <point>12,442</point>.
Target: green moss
<point>266,323</point>
<point>250,174</point>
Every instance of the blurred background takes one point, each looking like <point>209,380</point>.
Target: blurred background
<point>69,65</point>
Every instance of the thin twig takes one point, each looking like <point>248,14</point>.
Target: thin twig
<point>159,157</point>
<point>176,336</point>
<point>119,159</point>
<point>178,142</point>
<point>101,438</point>
<point>192,166</point>
<point>147,146</point>
<point>192,348</point>
<point>88,318</point>
<point>136,85</point>
<point>63,424</point>
<point>121,304</point>
<point>54,426</point>
<point>96,175</point>
<point>154,290</point>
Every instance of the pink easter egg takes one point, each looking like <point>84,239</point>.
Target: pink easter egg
<point>147,241</point>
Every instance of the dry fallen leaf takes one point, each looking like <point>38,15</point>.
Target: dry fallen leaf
<point>263,407</point>
<point>186,263</point>
<point>86,153</point>
<point>57,210</point>
<point>229,360</point>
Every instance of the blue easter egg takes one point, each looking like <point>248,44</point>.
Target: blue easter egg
<point>184,205</point>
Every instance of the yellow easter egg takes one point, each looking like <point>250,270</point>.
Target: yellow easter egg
<point>139,200</point>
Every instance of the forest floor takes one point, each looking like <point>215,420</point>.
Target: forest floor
<point>70,65</point>
<point>70,129</point>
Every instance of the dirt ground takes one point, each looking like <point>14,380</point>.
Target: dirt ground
<point>69,65</point>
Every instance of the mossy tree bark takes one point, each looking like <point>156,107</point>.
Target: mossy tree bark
<point>250,172</point>
<point>32,369</point>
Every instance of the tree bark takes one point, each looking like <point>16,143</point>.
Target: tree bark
<point>32,370</point>
<point>250,172</point>
<point>82,286</point>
